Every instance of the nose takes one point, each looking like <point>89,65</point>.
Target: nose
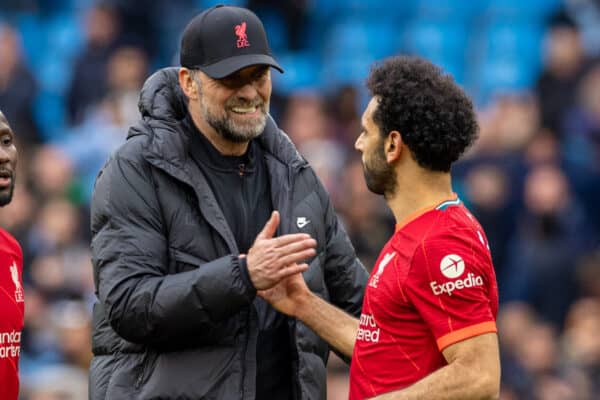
<point>248,92</point>
<point>5,155</point>
<point>358,144</point>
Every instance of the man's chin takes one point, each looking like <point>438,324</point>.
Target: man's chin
<point>248,131</point>
<point>6,194</point>
<point>375,189</point>
<point>5,198</point>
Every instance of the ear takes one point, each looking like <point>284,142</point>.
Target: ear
<point>188,84</point>
<point>393,147</point>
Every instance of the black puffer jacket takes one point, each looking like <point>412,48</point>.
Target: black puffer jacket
<point>175,318</point>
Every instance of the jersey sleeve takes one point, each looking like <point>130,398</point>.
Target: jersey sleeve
<point>449,284</point>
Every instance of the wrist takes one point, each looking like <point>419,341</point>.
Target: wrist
<point>245,275</point>
<point>306,304</point>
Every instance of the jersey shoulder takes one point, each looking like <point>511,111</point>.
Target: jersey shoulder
<point>451,223</point>
<point>10,245</point>
<point>453,234</point>
<point>456,224</point>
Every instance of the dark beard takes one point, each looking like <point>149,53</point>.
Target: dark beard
<point>6,197</point>
<point>380,177</point>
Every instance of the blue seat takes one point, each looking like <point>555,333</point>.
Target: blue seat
<point>204,4</point>
<point>347,70</point>
<point>54,73</point>
<point>315,32</point>
<point>33,36</point>
<point>276,29</point>
<point>48,7</point>
<point>511,40</point>
<point>530,10</point>
<point>64,35</point>
<point>501,76</point>
<point>448,41</point>
<point>302,72</point>
<point>451,66</point>
<point>174,19</point>
<point>457,11</point>
<point>377,8</point>
<point>355,36</point>
<point>49,113</point>
<point>330,10</point>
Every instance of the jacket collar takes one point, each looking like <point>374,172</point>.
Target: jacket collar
<point>163,108</point>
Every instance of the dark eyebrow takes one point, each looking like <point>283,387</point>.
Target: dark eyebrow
<point>4,129</point>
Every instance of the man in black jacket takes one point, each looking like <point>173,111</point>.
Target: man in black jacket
<point>206,203</point>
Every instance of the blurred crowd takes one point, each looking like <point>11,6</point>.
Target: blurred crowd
<point>70,92</point>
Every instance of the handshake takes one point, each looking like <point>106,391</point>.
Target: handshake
<point>275,265</point>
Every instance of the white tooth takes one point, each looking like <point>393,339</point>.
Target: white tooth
<point>244,109</point>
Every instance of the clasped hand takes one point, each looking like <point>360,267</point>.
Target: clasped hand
<point>271,259</point>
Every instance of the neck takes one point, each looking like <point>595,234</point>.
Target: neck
<point>417,190</point>
<point>224,146</point>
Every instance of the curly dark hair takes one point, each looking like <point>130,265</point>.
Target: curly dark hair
<point>434,116</point>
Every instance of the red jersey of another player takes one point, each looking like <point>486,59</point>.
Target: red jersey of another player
<point>11,312</point>
<point>433,285</point>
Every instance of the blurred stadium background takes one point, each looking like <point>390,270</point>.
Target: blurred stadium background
<point>71,70</point>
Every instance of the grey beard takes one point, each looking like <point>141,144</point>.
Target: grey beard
<point>232,132</point>
<point>229,131</point>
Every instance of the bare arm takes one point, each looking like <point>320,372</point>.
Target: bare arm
<point>473,372</point>
<point>292,297</point>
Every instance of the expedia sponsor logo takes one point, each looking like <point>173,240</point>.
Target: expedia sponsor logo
<point>448,287</point>
<point>10,344</point>
<point>453,266</point>
<point>368,330</point>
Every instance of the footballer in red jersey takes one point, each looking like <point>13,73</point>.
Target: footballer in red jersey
<point>432,286</point>
<point>11,265</point>
<point>428,323</point>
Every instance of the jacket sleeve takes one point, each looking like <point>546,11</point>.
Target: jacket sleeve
<point>143,303</point>
<point>345,276</point>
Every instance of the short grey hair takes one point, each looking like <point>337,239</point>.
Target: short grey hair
<point>194,73</point>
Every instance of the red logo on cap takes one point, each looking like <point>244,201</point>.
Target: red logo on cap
<point>240,31</point>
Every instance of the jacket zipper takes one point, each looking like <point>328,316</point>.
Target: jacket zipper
<point>296,387</point>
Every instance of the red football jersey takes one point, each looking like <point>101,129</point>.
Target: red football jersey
<point>433,285</point>
<point>11,311</point>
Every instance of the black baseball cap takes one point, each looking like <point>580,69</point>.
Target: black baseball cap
<point>224,39</point>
